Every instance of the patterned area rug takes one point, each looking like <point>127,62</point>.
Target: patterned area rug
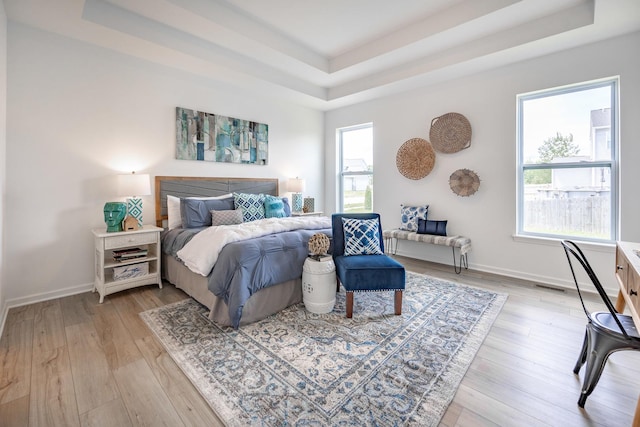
<point>302,369</point>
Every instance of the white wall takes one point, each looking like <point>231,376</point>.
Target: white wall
<point>77,115</point>
<point>488,100</point>
<point>3,150</point>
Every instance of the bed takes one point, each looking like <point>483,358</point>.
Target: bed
<point>236,291</point>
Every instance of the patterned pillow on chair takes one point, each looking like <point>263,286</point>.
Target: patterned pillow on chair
<point>361,237</point>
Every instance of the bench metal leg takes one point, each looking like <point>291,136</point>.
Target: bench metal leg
<point>391,243</point>
<point>391,247</point>
<point>463,261</point>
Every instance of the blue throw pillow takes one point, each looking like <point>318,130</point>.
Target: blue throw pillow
<point>251,205</point>
<point>361,237</point>
<point>274,207</point>
<point>438,228</point>
<point>196,213</point>
<point>409,216</point>
<point>287,207</point>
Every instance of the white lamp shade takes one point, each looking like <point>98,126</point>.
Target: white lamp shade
<point>296,185</point>
<point>134,185</point>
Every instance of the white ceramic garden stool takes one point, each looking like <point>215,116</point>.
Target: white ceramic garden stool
<point>319,285</point>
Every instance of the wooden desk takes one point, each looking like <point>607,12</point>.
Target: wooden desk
<point>628,276</point>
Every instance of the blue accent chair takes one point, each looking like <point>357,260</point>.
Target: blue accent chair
<point>361,273</point>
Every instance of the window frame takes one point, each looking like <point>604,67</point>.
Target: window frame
<point>341,174</point>
<point>613,163</point>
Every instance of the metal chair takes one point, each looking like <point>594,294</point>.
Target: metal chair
<point>359,273</point>
<point>606,331</point>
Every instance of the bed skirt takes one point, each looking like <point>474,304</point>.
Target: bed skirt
<point>262,304</point>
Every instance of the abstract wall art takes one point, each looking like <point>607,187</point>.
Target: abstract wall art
<point>214,138</point>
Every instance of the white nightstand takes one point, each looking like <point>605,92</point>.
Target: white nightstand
<point>307,213</point>
<point>131,272</point>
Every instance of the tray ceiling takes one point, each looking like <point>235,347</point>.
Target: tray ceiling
<point>331,53</point>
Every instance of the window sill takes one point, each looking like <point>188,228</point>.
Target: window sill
<point>549,241</point>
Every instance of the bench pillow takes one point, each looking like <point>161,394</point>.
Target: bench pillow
<point>409,216</point>
<point>361,236</point>
<point>437,228</point>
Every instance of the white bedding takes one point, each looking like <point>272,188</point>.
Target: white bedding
<point>201,253</point>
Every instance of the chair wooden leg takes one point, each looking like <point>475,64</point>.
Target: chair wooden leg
<point>398,302</point>
<point>349,305</point>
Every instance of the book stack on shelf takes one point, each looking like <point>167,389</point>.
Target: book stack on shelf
<point>128,254</point>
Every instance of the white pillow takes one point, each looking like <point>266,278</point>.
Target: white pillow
<point>173,212</point>
<point>173,208</point>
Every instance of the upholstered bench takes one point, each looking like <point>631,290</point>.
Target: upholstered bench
<point>392,237</point>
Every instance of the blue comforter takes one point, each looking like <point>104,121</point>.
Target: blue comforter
<point>245,267</point>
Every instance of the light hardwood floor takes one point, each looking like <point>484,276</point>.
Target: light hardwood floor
<point>72,361</point>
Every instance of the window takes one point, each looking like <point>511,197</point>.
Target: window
<point>356,168</point>
<point>567,162</point>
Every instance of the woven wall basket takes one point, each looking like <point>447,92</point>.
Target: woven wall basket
<point>450,133</point>
<point>464,182</point>
<point>415,158</point>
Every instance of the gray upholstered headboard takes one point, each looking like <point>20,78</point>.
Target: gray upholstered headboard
<point>190,186</point>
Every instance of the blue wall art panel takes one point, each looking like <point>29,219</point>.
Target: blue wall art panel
<point>214,138</point>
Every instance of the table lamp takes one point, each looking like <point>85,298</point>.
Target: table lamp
<point>133,186</point>
<point>296,187</point>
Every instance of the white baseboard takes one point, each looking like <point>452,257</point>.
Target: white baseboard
<point>536,278</point>
<point>551,281</point>
<point>44,296</point>
<point>3,318</point>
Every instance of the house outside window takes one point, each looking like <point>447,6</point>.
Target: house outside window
<point>567,162</point>
<point>356,168</point>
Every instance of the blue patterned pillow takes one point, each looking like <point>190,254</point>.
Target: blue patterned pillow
<point>409,216</point>
<point>361,237</point>
<point>251,205</point>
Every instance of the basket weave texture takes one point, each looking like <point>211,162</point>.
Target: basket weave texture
<point>415,158</point>
<point>464,182</point>
<point>450,133</point>
<point>319,244</point>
